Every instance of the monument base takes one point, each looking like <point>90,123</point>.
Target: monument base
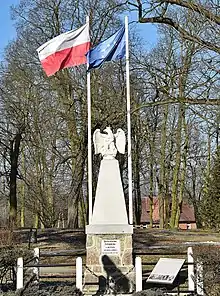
<point>109,263</point>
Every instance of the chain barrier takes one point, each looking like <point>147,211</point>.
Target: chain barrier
<point>110,282</point>
<point>124,275</point>
<point>91,271</point>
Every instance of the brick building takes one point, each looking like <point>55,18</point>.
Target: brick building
<point>187,216</point>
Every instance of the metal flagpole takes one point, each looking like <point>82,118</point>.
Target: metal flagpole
<point>128,125</point>
<point>89,140</point>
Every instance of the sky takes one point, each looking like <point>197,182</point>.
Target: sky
<point>8,32</point>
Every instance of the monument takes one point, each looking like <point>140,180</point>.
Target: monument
<point>109,236</point>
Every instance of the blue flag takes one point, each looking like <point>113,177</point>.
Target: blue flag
<point>110,49</point>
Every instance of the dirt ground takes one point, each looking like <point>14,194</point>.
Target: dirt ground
<point>142,239</point>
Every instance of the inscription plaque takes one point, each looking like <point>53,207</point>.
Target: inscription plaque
<point>166,270</point>
<point>110,247</point>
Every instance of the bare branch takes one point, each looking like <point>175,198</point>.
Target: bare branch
<point>184,33</point>
<point>195,7</point>
<point>170,22</point>
<point>214,102</point>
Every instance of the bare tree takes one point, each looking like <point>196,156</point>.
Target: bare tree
<point>204,12</point>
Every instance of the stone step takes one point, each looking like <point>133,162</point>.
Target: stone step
<point>90,290</point>
<point>94,290</point>
<point>119,294</point>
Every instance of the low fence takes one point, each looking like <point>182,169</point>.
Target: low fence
<point>35,265</point>
<point>194,270</point>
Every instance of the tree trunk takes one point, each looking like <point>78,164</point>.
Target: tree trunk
<point>162,185</point>
<point>77,139</point>
<point>14,154</point>
<point>151,198</point>
<point>183,175</point>
<point>174,191</point>
<point>186,57</point>
<point>76,203</point>
<point>136,174</point>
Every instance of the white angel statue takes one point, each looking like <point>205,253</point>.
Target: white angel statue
<point>108,143</point>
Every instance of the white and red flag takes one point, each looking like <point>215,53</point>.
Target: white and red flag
<point>66,50</point>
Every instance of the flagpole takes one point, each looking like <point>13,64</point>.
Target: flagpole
<point>128,125</point>
<point>89,140</point>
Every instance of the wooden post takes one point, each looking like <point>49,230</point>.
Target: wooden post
<point>138,274</point>
<point>191,275</point>
<point>37,258</point>
<point>20,274</point>
<point>79,273</point>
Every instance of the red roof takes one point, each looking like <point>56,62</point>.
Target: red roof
<point>187,211</point>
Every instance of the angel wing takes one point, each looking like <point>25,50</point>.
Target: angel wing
<point>120,140</point>
<point>98,141</point>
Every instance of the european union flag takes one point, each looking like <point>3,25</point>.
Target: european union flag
<point>110,49</point>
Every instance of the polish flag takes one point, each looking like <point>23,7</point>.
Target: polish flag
<point>66,50</point>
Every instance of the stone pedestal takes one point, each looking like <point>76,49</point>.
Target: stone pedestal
<point>109,262</point>
<point>109,257</point>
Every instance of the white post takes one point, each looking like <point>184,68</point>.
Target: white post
<point>89,129</point>
<point>138,274</point>
<point>128,125</point>
<point>79,273</point>
<point>58,222</point>
<point>199,278</point>
<point>63,220</point>
<point>20,274</point>
<point>37,258</point>
<point>191,275</point>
